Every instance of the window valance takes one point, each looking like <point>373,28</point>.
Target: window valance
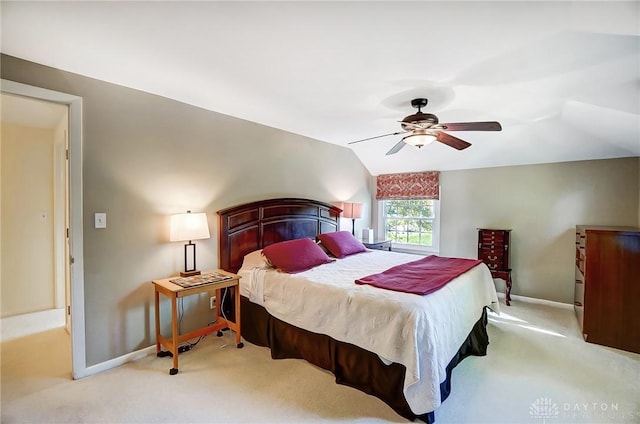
<point>411,185</point>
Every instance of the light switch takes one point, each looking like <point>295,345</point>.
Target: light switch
<point>101,220</point>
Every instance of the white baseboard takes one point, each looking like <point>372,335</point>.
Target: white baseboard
<point>16,326</point>
<point>120,360</point>
<point>538,301</point>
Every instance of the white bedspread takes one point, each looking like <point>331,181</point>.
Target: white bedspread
<point>423,333</point>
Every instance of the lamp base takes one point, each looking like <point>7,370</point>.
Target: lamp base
<point>189,273</point>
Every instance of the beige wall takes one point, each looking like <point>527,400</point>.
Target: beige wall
<point>146,157</point>
<point>27,283</point>
<point>541,204</point>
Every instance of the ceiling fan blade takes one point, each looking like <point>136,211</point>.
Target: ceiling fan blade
<point>472,126</point>
<point>452,141</point>
<point>396,148</point>
<point>378,136</point>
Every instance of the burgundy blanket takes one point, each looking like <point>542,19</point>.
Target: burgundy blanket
<point>422,277</point>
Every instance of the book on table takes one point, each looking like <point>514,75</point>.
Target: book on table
<point>204,278</point>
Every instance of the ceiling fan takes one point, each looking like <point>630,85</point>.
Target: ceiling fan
<point>424,128</point>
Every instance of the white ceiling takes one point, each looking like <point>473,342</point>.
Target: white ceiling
<point>563,78</point>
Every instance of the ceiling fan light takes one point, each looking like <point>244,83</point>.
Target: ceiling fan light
<point>419,140</point>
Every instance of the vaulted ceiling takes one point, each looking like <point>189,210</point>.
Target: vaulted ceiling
<point>563,78</point>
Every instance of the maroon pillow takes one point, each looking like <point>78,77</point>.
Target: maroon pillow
<point>295,255</point>
<point>341,243</point>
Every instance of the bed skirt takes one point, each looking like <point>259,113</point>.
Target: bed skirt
<point>350,364</point>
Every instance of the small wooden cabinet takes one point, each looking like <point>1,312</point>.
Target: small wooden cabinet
<point>607,285</point>
<point>493,249</point>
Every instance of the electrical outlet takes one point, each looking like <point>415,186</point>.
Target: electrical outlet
<point>212,302</point>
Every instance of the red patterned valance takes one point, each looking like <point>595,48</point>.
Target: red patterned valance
<point>412,185</point>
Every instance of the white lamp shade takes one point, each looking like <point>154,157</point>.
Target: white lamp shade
<point>419,139</point>
<point>352,210</point>
<point>189,226</point>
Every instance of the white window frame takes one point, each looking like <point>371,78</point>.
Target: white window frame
<point>412,248</point>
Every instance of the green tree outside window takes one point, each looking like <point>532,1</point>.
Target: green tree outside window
<point>409,221</point>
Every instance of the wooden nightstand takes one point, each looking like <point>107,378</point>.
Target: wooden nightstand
<point>379,245</point>
<point>173,292</point>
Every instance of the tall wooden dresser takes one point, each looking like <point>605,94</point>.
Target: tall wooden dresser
<point>493,249</point>
<point>607,286</point>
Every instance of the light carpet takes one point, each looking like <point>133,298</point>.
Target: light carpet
<point>538,369</point>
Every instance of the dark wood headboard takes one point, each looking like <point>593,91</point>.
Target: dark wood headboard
<point>252,226</point>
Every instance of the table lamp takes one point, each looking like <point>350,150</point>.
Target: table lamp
<point>189,226</point>
<point>353,211</point>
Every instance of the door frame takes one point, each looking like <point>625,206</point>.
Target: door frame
<point>74,103</point>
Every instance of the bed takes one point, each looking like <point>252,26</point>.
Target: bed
<point>412,377</point>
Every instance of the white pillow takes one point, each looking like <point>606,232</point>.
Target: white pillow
<point>255,260</point>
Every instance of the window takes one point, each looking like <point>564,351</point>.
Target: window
<point>412,224</point>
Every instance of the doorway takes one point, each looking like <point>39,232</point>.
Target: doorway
<point>34,212</point>
<point>67,240</point>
